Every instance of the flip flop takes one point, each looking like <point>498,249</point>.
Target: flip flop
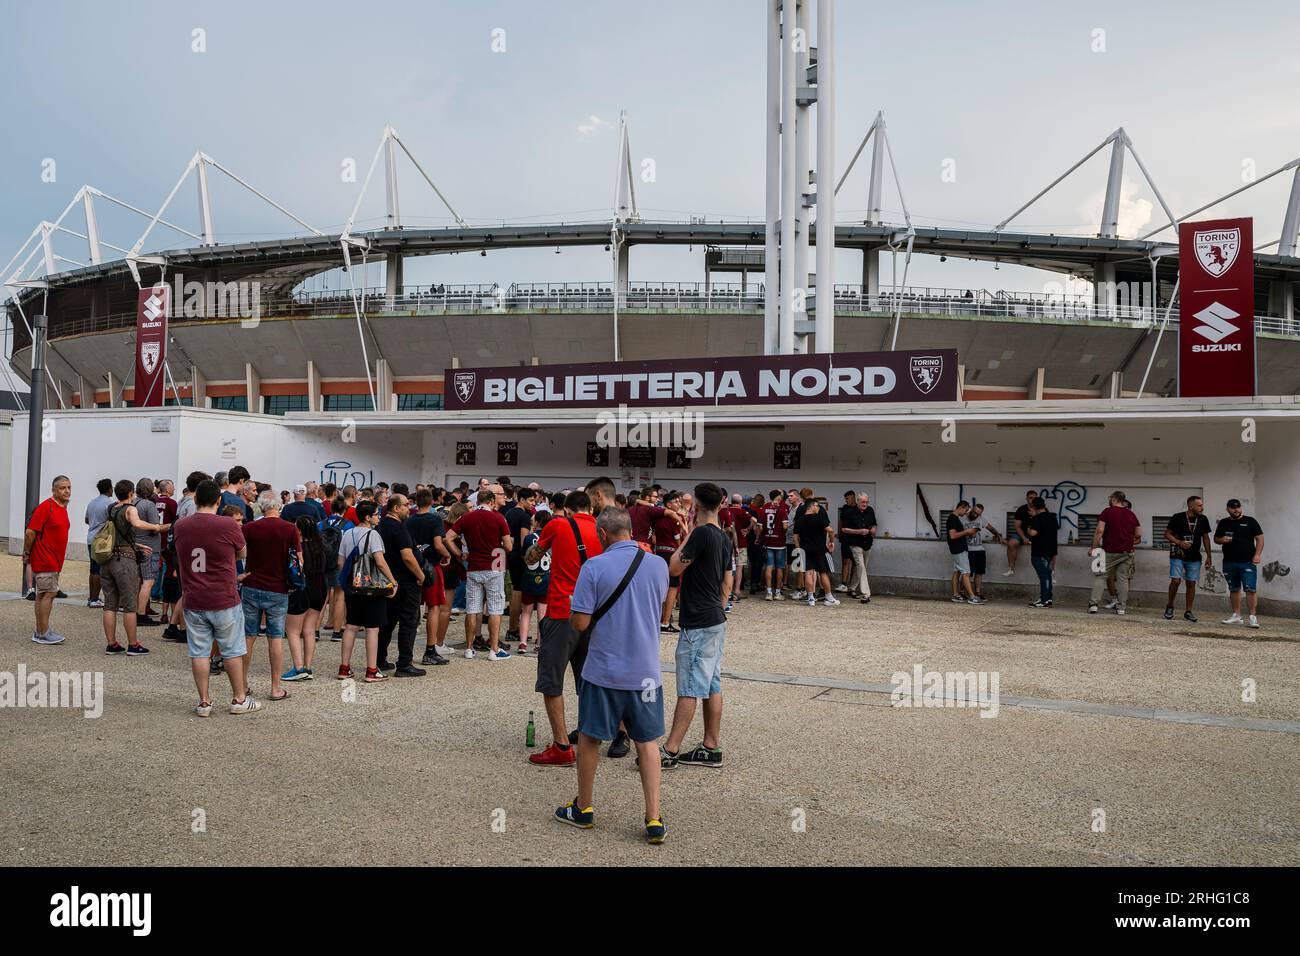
<point>285,697</point>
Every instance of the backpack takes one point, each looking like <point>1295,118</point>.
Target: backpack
<point>331,535</point>
<point>105,540</point>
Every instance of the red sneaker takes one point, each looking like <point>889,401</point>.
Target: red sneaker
<point>553,756</point>
<point>345,672</point>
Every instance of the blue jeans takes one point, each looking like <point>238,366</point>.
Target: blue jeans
<point>458,599</point>
<point>1043,568</point>
<point>275,605</point>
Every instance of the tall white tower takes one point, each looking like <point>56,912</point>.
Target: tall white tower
<point>799,76</point>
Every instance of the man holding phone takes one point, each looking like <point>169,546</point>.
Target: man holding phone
<point>1243,547</point>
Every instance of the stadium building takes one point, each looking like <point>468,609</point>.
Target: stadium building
<point>1072,395</point>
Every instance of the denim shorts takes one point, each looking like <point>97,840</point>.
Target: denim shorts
<point>602,709</point>
<point>699,661</point>
<point>1240,575</point>
<point>1180,570</point>
<point>775,558</point>
<point>275,605</point>
<point>202,628</point>
<point>961,562</point>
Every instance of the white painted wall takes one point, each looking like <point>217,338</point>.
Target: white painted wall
<point>1156,464</point>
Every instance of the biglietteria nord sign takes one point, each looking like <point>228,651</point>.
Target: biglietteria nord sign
<point>879,377</point>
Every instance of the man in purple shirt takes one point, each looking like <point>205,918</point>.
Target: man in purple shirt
<point>621,680</point>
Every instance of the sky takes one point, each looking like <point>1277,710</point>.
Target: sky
<point>1004,96</point>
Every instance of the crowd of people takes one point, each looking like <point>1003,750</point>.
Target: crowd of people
<point>605,574</point>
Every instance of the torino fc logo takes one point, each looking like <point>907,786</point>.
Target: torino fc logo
<point>926,371</point>
<point>1216,249</point>
<point>464,383</point>
<point>149,356</point>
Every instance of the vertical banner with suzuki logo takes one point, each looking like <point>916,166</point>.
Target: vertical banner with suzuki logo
<point>1216,308</point>
<point>151,346</point>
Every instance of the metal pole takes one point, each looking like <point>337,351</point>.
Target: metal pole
<point>789,213</point>
<point>825,326</point>
<point>35,417</point>
<point>771,248</point>
<point>802,147</point>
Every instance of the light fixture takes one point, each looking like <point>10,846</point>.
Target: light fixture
<point>943,258</point>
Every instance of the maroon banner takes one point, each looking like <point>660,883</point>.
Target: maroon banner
<point>880,377</point>
<point>151,346</point>
<point>1216,308</point>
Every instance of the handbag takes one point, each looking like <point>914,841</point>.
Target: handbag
<point>367,577</point>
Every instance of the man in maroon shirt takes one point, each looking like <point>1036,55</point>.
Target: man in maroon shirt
<point>209,544</point>
<point>644,513</point>
<point>1113,543</point>
<point>669,531</point>
<point>485,534</point>
<point>776,513</point>
<point>270,540</point>
<point>742,523</point>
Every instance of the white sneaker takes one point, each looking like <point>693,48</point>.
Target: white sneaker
<point>842,588</point>
<point>98,602</point>
<point>498,655</point>
<point>49,637</point>
<point>247,706</point>
<point>1252,621</point>
<point>769,595</point>
<point>1234,619</point>
<point>778,596</point>
<point>1008,572</point>
<point>1112,604</point>
<point>469,653</point>
<point>202,710</point>
<point>442,651</point>
<point>800,594</point>
<point>832,601</point>
<point>1120,611</point>
<point>812,601</point>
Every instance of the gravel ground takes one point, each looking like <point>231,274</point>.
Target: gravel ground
<point>434,770</point>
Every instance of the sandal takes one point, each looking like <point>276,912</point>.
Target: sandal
<point>375,675</point>
<point>284,696</point>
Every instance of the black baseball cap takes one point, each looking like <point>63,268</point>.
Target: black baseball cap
<point>1234,502</point>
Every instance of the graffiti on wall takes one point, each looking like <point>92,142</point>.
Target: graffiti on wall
<point>344,473</point>
<point>1069,495</point>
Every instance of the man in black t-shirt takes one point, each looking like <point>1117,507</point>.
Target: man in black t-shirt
<point>1243,548</point>
<point>519,518</point>
<point>1042,530</point>
<point>1188,532</point>
<point>957,534</point>
<point>847,509</point>
<point>814,536</point>
<point>426,529</point>
<point>404,611</point>
<point>858,533</point>
<point>705,563</point>
<point>1019,533</point>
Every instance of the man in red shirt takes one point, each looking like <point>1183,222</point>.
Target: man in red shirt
<point>776,513</point>
<point>485,534</point>
<point>270,540</point>
<point>1113,544</point>
<point>45,544</point>
<point>570,541</point>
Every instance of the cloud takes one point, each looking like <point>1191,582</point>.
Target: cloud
<point>593,124</point>
<point>1134,213</point>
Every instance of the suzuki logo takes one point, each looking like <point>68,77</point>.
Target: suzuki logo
<point>153,307</point>
<point>1217,319</point>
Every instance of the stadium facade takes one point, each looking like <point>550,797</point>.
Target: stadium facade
<point>1071,395</point>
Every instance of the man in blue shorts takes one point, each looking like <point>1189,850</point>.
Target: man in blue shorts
<point>618,596</point>
<point>1243,548</point>
<point>1188,533</point>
